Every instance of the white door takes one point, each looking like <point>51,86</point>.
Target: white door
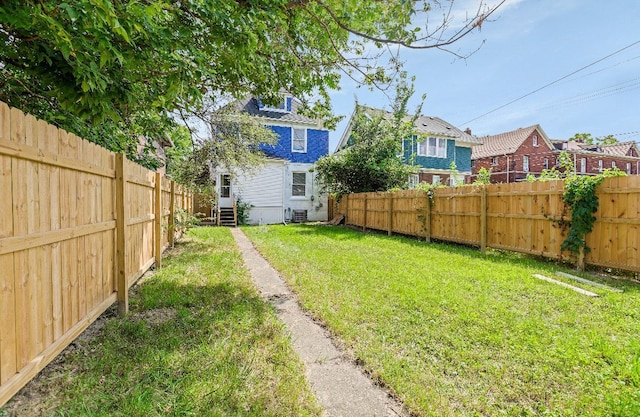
<point>225,193</point>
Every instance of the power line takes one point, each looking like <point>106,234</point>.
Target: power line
<point>552,83</point>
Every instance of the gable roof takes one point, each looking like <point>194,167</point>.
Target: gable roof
<point>620,148</point>
<point>507,142</point>
<point>425,125</point>
<point>250,106</point>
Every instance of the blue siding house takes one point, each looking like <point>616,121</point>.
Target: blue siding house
<point>284,188</point>
<point>432,150</point>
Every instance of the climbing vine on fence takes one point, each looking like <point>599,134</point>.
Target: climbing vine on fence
<point>579,197</point>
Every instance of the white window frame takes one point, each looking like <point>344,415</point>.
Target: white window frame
<point>613,164</point>
<point>525,163</point>
<point>546,163</point>
<point>293,132</point>
<point>535,140</point>
<point>440,150</point>
<point>494,160</point>
<point>583,165</point>
<point>435,180</point>
<point>600,167</point>
<point>628,167</point>
<point>294,184</point>
<point>281,108</point>
<point>414,179</point>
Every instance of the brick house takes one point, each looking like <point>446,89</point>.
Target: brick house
<point>592,159</point>
<point>513,155</point>
<point>528,151</point>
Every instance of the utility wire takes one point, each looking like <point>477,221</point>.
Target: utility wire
<point>552,83</point>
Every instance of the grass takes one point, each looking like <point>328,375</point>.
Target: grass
<point>198,342</point>
<point>454,332</point>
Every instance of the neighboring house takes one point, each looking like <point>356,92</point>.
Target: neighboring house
<point>528,151</point>
<point>436,146</point>
<point>284,188</point>
<point>514,155</point>
<point>593,159</point>
<point>156,148</point>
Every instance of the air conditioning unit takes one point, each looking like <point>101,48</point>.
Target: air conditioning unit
<point>299,216</point>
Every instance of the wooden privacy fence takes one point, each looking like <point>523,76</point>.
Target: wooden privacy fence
<point>520,217</point>
<point>78,226</point>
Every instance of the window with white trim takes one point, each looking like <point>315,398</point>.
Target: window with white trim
<point>298,140</point>
<point>613,164</point>
<point>299,184</point>
<point>225,186</point>
<point>546,163</point>
<point>628,167</point>
<point>583,165</point>
<point>414,179</point>
<point>494,160</point>
<point>600,165</point>
<point>435,147</point>
<point>535,140</point>
<point>525,163</point>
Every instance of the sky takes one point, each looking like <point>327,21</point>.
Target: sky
<point>528,45</point>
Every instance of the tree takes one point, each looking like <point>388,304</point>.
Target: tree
<point>371,161</point>
<point>123,66</point>
<point>231,142</point>
<point>590,140</point>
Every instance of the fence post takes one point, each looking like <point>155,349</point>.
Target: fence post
<point>346,208</point>
<point>364,220</point>
<point>390,230</point>
<point>483,219</point>
<point>172,210</point>
<point>427,220</point>
<point>158,220</point>
<point>121,274</point>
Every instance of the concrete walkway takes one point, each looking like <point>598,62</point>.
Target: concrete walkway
<point>340,386</point>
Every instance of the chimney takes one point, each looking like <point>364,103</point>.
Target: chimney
<point>467,131</point>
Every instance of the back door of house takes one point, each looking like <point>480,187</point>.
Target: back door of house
<point>225,193</point>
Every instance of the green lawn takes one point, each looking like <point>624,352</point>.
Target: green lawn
<point>199,342</point>
<point>454,332</point>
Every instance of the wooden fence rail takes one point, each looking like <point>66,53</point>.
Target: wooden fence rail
<point>78,226</point>
<point>520,217</point>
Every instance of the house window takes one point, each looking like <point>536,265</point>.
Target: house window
<point>473,163</point>
<point>299,184</point>
<point>600,165</point>
<point>225,186</point>
<point>436,147</point>
<point>583,165</point>
<point>613,164</point>
<point>414,179</point>
<point>535,140</point>
<point>525,163</point>
<point>298,140</point>
<point>435,179</point>
<point>546,163</point>
<point>494,160</point>
<point>628,167</point>
<point>280,107</point>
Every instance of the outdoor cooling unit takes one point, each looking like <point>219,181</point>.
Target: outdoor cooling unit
<point>299,216</point>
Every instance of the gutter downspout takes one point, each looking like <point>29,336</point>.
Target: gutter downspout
<point>507,156</point>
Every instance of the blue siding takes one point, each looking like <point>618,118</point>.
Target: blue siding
<point>461,155</point>
<point>317,145</point>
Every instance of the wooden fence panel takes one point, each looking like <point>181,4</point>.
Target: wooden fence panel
<point>58,240</point>
<point>615,236</point>
<point>523,217</point>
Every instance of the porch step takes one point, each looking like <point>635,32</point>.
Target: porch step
<point>227,217</point>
